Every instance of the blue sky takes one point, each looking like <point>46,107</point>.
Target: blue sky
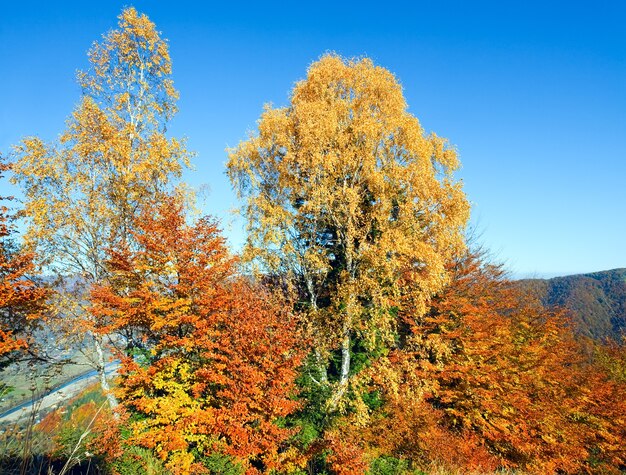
<point>533,95</point>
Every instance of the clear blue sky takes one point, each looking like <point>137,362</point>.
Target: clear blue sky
<point>533,95</point>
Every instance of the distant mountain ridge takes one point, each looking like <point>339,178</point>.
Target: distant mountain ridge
<point>597,301</point>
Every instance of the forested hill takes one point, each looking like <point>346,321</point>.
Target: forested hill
<point>597,301</point>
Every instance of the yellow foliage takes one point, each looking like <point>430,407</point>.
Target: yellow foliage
<point>350,197</point>
<point>114,156</point>
<point>84,193</point>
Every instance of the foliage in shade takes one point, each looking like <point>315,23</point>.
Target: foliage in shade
<point>217,367</point>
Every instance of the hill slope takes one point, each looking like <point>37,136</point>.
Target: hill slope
<point>597,301</point>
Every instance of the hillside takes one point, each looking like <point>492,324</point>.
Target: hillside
<point>597,301</point>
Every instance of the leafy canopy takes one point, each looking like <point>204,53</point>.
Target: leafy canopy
<point>350,200</point>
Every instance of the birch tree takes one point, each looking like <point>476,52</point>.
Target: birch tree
<point>22,299</point>
<point>83,193</point>
<point>348,196</point>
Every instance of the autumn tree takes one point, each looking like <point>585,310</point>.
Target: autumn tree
<point>83,194</point>
<point>488,379</point>
<point>349,198</point>
<point>215,369</point>
<point>22,300</point>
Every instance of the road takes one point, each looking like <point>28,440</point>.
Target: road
<point>56,396</point>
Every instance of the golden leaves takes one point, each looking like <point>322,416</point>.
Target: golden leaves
<point>132,67</point>
<point>347,194</point>
<point>113,157</point>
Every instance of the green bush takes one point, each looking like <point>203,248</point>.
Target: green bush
<point>220,464</point>
<point>392,466</point>
<point>137,461</point>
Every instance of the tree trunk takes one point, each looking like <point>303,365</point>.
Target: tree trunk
<point>101,368</point>
<point>321,364</point>
<point>344,374</point>
<point>345,360</point>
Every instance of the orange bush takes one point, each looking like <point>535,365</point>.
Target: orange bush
<point>488,379</point>
<point>215,355</point>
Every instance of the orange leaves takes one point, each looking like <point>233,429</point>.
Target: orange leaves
<point>346,457</point>
<point>215,356</point>
<point>489,379</point>
<point>421,353</point>
<point>506,370</point>
<point>83,194</point>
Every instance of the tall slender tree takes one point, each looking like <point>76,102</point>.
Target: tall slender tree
<point>354,202</point>
<point>83,194</point>
<point>22,300</point>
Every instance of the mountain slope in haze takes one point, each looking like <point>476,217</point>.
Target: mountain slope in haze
<point>597,301</point>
